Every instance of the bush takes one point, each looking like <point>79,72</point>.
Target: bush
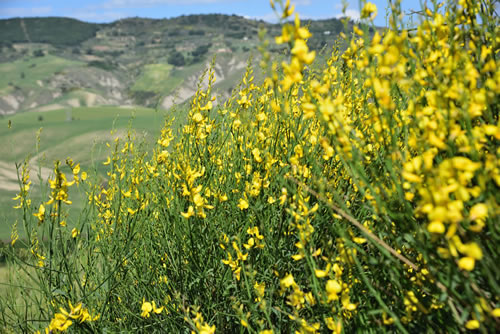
<point>196,32</point>
<point>235,34</point>
<point>38,53</point>
<point>174,33</point>
<point>360,194</point>
<point>176,58</point>
<point>103,65</point>
<point>141,97</point>
<point>201,50</point>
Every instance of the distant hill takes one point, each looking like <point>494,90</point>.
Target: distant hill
<point>55,62</point>
<point>52,30</point>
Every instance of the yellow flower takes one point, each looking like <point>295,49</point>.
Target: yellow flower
<point>267,331</point>
<point>323,273</point>
<point>334,326</point>
<point>369,11</point>
<point>243,204</point>
<point>249,244</point>
<point>76,169</point>
<point>478,212</point>
<point>146,308</point>
<point>256,155</point>
<point>197,117</point>
<point>60,323</point>
<point>496,313</point>
<point>472,324</point>
<point>260,289</point>
<point>157,310</point>
<point>309,110</point>
<point>300,32</point>
<point>287,282</point>
<point>466,263</point>
<point>189,213</point>
<point>14,235</point>
<point>287,11</point>
<point>473,250</point>
<point>74,233</point>
<point>283,196</point>
<point>41,214</point>
<point>436,227</point>
<point>387,320</point>
<point>63,320</point>
<point>207,329</point>
<point>310,298</point>
<point>346,302</point>
<point>301,51</point>
<point>332,289</point>
<point>198,200</point>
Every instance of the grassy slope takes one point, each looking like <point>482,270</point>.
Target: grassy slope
<point>164,79</point>
<point>153,78</point>
<point>82,139</point>
<point>34,68</point>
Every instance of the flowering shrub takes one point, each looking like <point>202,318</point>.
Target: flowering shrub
<point>356,195</point>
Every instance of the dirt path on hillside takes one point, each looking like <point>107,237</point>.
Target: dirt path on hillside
<point>23,27</point>
<point>8,175</point>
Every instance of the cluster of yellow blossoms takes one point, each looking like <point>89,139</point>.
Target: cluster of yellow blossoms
<point>64,319</point>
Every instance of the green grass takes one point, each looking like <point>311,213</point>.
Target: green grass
<point>83,139</point>
<point>153,78</point>
<point>164,78</point>
<point>58,131</point>
<point>34,69</point>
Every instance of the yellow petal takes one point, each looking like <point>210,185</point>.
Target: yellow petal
<point>436,227</point>
<point>466,263</point>
<point>472,324</point>
<point>496,313</point>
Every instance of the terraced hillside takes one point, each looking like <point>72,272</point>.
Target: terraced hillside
<point>52,63</point>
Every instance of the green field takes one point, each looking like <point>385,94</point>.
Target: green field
<point>26,72</point>
<point>153,78</point>
<point>79,133</point>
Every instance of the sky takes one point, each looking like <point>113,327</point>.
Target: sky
<point>110,10</point>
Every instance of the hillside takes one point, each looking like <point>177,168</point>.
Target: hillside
<point>53,30</point>
<point>53,63</point>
